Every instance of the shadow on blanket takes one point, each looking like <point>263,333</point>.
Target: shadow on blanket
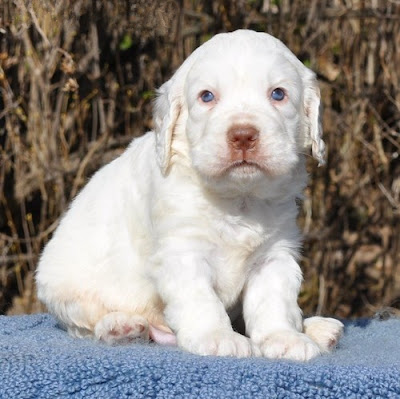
<point>38,360</point>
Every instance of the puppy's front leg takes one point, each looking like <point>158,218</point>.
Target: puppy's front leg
<point>193,309</point>
<point>272,316</point>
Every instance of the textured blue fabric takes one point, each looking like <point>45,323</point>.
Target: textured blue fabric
<point>39,360</point>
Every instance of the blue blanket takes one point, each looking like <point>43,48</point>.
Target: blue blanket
<point>39,360</point>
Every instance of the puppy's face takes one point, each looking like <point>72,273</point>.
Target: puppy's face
<point>245,110</point>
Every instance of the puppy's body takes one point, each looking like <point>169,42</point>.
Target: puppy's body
<point>199,215</point>
<point>103,231</point>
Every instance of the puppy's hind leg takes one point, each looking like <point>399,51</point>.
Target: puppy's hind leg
<point>89,318</point>
<point>121,328</point>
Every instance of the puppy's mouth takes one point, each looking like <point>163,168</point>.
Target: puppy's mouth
<point>244,167</point>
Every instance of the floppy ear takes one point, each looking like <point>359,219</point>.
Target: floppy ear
<point>168,106</point>
<point>166,112</point>
<point>313,113</point>
<point>312,130</point>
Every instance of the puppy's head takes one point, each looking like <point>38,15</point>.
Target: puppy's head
<point>249,108</point>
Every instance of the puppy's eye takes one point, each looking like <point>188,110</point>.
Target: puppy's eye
<point>278,94</point>
<point>206,96</point>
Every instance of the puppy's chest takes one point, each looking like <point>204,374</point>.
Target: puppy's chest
<point>237,237</point>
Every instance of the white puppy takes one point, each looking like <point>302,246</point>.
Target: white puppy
<point>199,216</point>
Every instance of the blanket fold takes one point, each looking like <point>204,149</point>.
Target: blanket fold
<point>39,360</point>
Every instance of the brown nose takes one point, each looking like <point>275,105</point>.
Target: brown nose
<point>243,137</point>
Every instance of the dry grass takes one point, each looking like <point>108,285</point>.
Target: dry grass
<point>76,83</point>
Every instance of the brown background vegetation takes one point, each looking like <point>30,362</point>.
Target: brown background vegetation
<point>77,79</point>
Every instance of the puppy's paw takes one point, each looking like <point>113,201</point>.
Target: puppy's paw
<point>121,328</point>
<point>219,343</point>
<point>325,331</point>
<point>287,344</point>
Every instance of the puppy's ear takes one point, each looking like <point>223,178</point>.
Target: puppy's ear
<point>312,130</point>
<point>168,106</point>
<point>166,113</point>
<point>313,115</point>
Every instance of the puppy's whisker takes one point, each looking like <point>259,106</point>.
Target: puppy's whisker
<point>307,154</point>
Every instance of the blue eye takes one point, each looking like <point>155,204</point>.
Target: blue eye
<point>206,96</point>
<point>278,94</point>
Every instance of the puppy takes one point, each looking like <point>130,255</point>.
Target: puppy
<point>198,218</point>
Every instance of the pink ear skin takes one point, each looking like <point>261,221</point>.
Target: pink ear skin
<point>162,337</point>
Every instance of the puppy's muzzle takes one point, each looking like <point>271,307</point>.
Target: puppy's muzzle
<point>242,141</point>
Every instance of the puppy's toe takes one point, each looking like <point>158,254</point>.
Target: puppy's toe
<point>325,331</point>
<point>287,344</point>
<point>121,328</point>
<point>219,343</point>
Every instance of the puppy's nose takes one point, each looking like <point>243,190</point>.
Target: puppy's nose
<point>243,137</point>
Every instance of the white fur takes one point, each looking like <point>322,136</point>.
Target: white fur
<point>171,233</point>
